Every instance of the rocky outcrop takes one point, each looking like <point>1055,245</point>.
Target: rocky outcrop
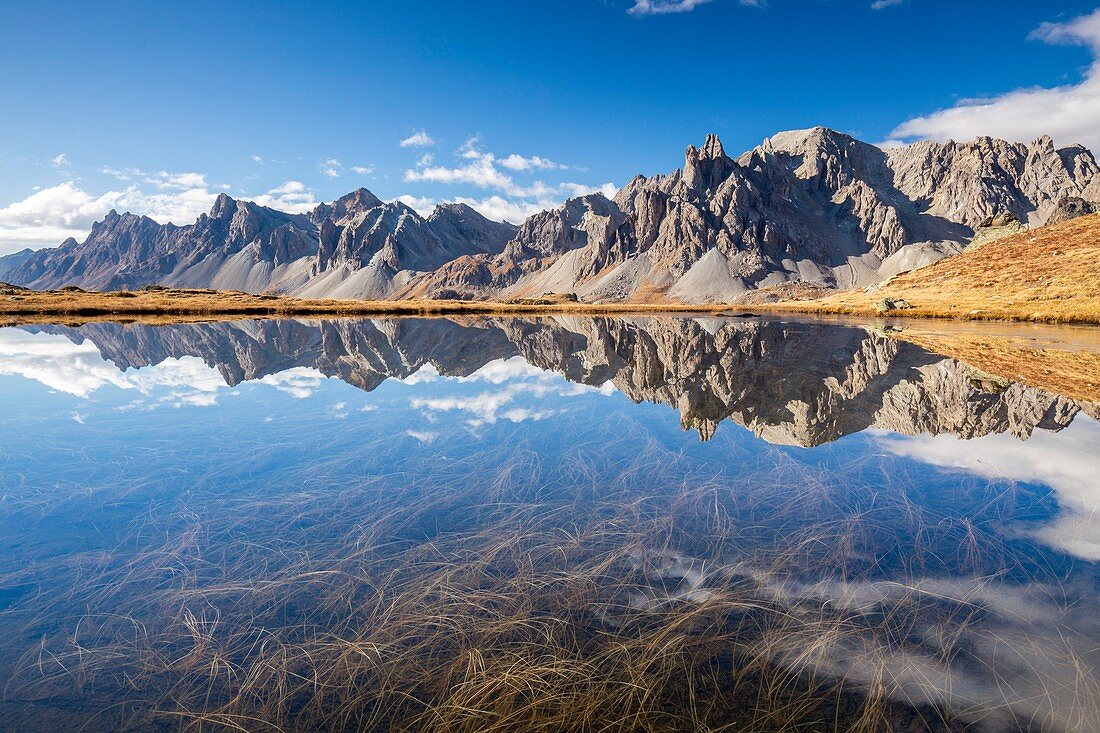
<point>789,383</point>
<point>968,182</point>
<point>1072,207</point>
<point>996,227</point>
<point>357,247</point>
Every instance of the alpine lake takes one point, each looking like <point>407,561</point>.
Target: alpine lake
<point>651,523</point>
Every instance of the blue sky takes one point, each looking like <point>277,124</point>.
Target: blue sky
<point>157,107</point>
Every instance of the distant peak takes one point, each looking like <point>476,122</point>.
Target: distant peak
<point>456,207</point>
<point>360,199</point>
<point>224,205</point>
<point>800,140</point>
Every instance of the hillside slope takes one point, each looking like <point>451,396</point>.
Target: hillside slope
<point>1048,274</point>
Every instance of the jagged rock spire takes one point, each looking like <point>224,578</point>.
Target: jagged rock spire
<point>705,168</point>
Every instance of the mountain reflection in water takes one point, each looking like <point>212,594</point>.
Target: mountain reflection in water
<point>790,383</point>
<point>199,529</point>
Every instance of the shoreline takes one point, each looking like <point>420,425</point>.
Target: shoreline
<point>26,306</point>
<point>1056,355</point>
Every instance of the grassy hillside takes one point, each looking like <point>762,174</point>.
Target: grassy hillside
<point>1049,274</point>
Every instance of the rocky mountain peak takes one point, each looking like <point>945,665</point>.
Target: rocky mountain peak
<point>115,222</point>
<point>358,200</point>
<point>712,148</point>
<point>707,167</point>
<point>347,207</point>
<point>453,209</point>
<point>225,206</point>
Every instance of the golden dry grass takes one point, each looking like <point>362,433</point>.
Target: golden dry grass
<point>26,306</point>
<point>1073,373</point>
<point>1050,274</point>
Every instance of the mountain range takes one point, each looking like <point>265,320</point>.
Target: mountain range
<point>812,206</point>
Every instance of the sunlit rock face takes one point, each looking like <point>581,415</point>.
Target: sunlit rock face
<point>813,205</point>
<point>789,383</point>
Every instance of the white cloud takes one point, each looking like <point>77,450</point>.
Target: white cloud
<point>516,378</point>
<point>258,159</point>
<point>480,172</point>
<point>500,371</point>
<point>420,204</point>
<point>420,139</point>
<point>423,375</point>
<point>177,181</point>
<point>1069,113</point>
<point>50,215</point>
<point>80,370</point>
<point>523,414</point>
<point>1066,462</point>
<point>298,382</point>
<point>499,208</point>
<point>664,7</point>
<point>122,174</point>
<point>580,189</point>
<point>511,201</point>
<point>519,163</point>
<point>424,436</point>
<point>882,4</point>
<point>333,168</point>
<point>60,161</point>
<point>292,196</point>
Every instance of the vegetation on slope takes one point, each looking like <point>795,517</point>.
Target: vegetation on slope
<point>1050,274</point>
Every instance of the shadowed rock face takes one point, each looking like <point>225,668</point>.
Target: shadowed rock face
<point>813,206</point>
<point>789,383</point>
<point>1072,207</point>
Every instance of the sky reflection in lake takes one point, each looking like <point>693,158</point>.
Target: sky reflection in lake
<point>843,508</point>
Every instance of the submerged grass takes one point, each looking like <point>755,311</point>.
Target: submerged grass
<point>594,594</point>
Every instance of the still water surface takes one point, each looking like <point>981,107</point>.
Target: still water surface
<point>552,523</point>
